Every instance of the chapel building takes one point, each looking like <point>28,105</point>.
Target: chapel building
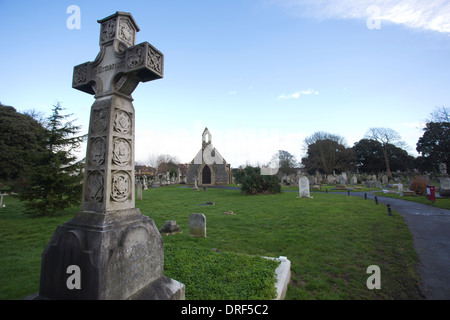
<point>208,165</point>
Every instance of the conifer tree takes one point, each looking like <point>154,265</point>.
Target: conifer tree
<point>55,182</point>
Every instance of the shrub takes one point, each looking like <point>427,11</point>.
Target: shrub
<point>419,185</point>
<point>254,183</point>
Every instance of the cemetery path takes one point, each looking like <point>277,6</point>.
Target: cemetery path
<point>430,228</point>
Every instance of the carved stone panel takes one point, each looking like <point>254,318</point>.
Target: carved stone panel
<point>95,185</point>
<point>154,60</point>
<point>108,31</point>
<point>122,122</point>
<point>120,186</point>
<point>97,151</point>
<point>99,119</point>
<point>80,74</point>
<point>126,32</point>
<point>121,152</point>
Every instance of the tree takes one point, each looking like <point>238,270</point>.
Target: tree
<point>370,157</point>
<point>20,138</point>
<point>253,182</point>
<point>387,137</point>
<point>440,114</point>
<point>327,153</point>
<point>434,145</point>
<point>55,182</point>
<point>287,164</point>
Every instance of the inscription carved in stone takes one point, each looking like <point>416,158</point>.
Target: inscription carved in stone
<point>122,122</point>
<point>121,186</point>
<point>95,186</point>
<point>121,152</point>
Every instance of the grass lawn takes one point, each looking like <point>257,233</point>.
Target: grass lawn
<point>330,240</point>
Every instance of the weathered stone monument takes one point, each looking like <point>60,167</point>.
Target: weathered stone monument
<point>118,251</point>
<point>170,228</point>
<point>444,180</point>
<point>303,187</point>
<point>197,225</point>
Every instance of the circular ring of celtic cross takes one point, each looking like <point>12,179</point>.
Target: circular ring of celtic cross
<point>121,185</point>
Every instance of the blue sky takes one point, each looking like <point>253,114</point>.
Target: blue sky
<point>260,74</point>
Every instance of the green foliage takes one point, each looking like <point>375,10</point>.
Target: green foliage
<point>286,162</point>
<point>330,241</point>
<point>209,275</point>
<point>20,139</point>
<point>54,181</point>
<point>370,157</point>
<point>434,145</point>
<point>255,183</point>
<point>327,156</point>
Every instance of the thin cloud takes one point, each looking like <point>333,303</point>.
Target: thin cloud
<point>297,94</point>
<point>417,14</point>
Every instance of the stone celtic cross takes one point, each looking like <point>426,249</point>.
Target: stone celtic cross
<point>112,77</point>
<point>118,251</point>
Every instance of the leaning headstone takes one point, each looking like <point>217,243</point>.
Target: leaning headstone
<point>118,252</point>
<point>197,225</point>
<point>303,187</point>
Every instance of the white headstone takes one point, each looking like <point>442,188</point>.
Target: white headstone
<point>197,225</point>
<point>303,187</point>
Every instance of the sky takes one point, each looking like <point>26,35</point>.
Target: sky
<point>262,75</point>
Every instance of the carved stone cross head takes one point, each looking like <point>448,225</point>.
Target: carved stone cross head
<point>120,64</point>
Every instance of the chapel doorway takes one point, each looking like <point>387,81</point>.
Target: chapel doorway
<point>206,175</point>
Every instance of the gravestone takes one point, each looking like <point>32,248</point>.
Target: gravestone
<point>195,184</point>
<point>118,250</point>
<point>400,187</point>
<point>384,180</point>
<point>444,181</point>
<point>197,225</point>
<point>171,228</point>
<point>139,191</point>
<point>303,187</point>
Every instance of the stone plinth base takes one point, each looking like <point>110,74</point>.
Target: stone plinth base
<point>119,256</point>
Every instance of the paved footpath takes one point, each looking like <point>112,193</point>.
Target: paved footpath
<point>430,228</point>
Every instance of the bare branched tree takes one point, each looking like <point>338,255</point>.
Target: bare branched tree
<point>387,137</point>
